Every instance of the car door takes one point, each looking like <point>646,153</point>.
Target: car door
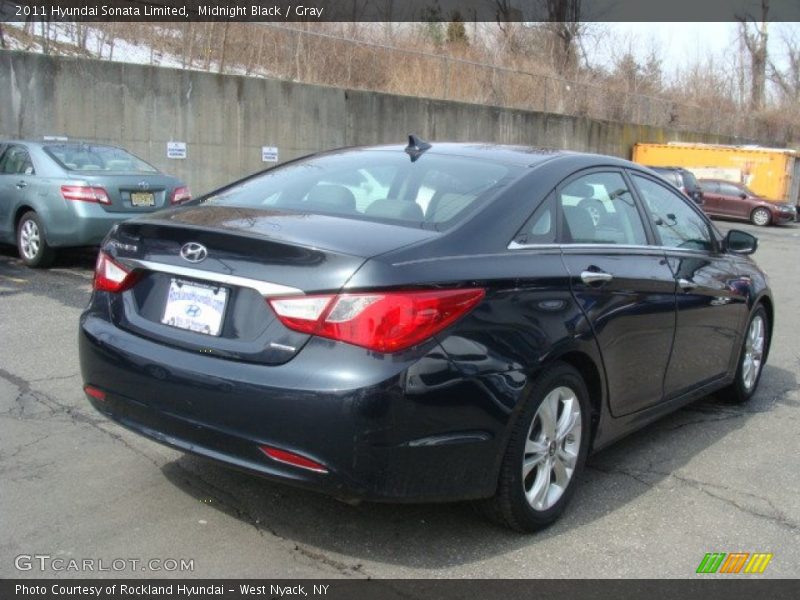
<point>622,283</point>
<point>16,173</point>
<point>710,305</point>
<point>711,197</point>
<point>731,202</point>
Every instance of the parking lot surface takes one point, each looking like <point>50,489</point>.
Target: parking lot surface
<point>710,478</point>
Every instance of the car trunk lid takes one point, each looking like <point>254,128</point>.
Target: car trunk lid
<point>204,274</point>
<point>133,192</point>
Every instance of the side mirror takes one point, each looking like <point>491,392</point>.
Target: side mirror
<point>743,196</point>
<point>740,242</point>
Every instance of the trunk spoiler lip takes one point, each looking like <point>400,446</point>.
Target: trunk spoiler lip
<point>154,218</point>
<point>265,288</point>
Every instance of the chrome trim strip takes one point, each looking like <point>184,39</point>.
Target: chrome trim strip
<point>578,247</point>
<point>265,288</point>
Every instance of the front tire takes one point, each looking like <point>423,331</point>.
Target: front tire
<point>751,360</point>
<point>31,243</point>
<point>545,454</point>
<point>761,217</point>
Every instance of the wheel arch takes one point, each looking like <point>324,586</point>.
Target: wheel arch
<point>591,373</point>
<point>21,210</point>
<point>765,301</point>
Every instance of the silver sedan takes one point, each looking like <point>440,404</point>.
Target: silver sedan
<point>61,194</point>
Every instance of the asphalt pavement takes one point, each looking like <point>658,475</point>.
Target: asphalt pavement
<point>76,487</point>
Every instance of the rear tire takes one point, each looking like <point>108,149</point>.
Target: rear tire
<point>546,452</point>
<point>31,243</point>
<point>761,217</point>
<point>751,360</point>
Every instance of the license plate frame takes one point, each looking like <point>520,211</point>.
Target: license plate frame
<point>196,307</point>
<point>143,199</point>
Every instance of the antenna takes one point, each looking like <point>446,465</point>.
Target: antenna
<point>416,147</point>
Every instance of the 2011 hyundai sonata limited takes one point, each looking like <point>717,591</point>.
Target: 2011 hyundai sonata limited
<point>423,323</point>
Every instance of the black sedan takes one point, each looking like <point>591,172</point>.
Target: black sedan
<point>423,323</point>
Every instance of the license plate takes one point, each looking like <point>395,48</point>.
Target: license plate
<point>195,307</point>
<point>143,199</point>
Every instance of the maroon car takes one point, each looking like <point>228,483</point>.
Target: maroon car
<point>733,200</point>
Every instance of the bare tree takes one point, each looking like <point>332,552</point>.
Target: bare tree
<point>755,36</point>
<point>2,39</point>
<point>787,80</point>
<point>564,17</point>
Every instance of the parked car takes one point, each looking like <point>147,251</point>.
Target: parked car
<point>683,179</point>
<point>477,349</point>
<point>734,201</point>
<point>56,194</point>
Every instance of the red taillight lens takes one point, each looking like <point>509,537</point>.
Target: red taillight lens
<point>85,193</point>
<point>180,195</point>
<point>290,458</point>
<point>110,276</point>
<point>381,321</point>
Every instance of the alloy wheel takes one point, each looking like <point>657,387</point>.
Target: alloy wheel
<point>552,447</point>
<point>29,239</point>
<point>753,352</point>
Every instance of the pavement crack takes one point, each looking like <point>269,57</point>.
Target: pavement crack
<point>55,407</point>
<point>774,515</point>
<point>233,506</point>
<point>16,450</point>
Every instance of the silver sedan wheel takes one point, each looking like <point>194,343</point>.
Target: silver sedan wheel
<point>30,239</point>
<point>753,352</point>
<point>552,448</point>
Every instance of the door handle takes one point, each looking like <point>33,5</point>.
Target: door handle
<point>686,285</point>
<point>590,277</point>
<point>22,184</point>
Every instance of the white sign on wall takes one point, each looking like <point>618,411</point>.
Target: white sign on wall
<point>269,154</point>
<point>176,150</point>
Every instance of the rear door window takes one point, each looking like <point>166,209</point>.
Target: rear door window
<point>598,208</point>
<point>16,161</point>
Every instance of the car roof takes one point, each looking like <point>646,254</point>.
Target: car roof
<point>667,168</point>
<point>29,142</point>
<point>517,155</point>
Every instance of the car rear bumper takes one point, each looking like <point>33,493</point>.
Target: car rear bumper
<point>380,440</point>
<point>86,224</point>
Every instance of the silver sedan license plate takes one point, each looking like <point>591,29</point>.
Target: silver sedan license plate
<point>195,307</point>
<point>143,199</point>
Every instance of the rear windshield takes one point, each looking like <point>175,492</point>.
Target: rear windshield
<point>88,157</point>
<point>434,191</point>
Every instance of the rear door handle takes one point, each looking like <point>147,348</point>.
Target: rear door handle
<point>590,277</point>
<point>22,184</point>
<point>686,285</point>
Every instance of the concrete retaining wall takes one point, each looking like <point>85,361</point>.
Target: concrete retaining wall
<point>225,119</point>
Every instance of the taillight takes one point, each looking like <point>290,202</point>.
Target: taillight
<point>296,460</point>
<point>85,193</point>
<point>110,276</point>
<point>94,392</point>
<point>381,321</point>
<point>180,195</point>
